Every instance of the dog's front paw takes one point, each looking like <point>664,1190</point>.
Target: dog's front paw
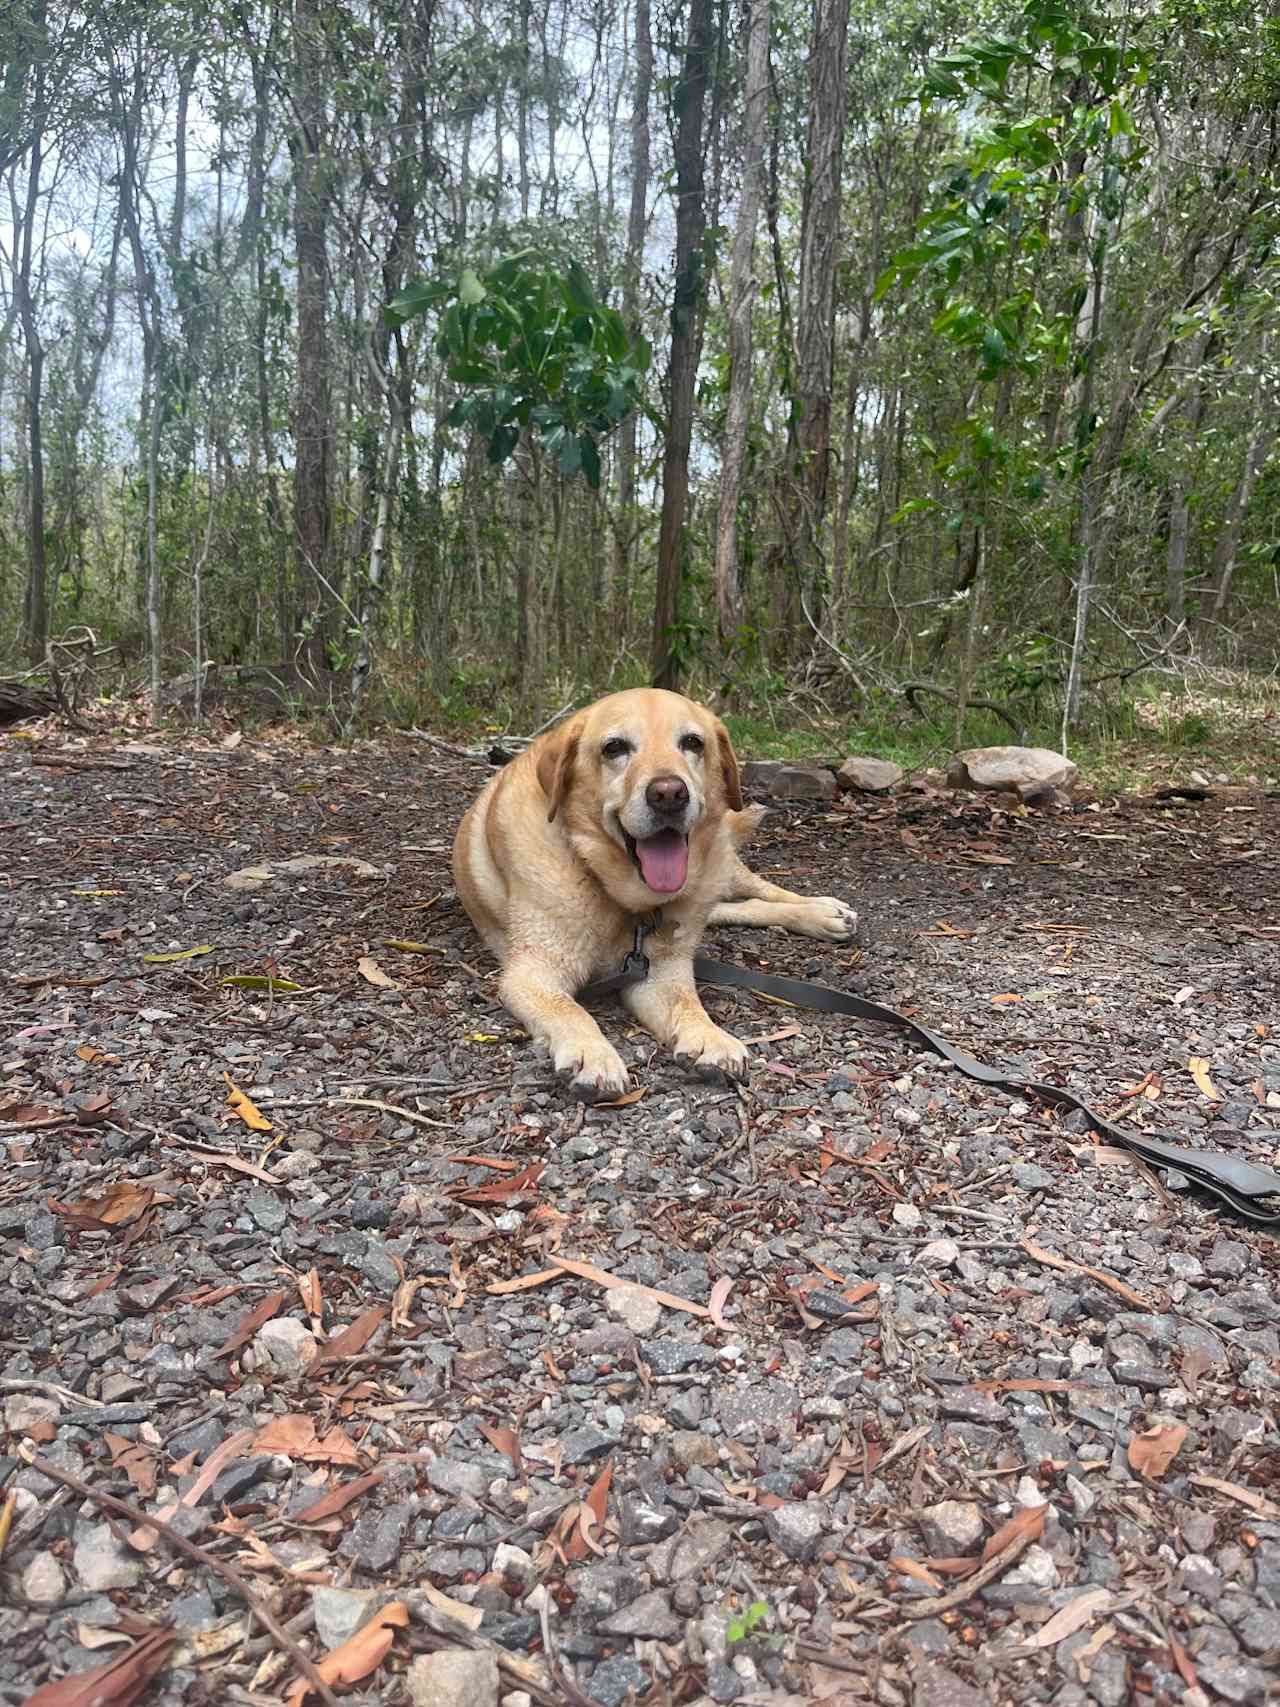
<point>830,919</point>
<point>594,1070</point>
<point>713,1054</point>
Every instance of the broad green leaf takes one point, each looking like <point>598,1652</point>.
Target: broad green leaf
<point>470,290</point>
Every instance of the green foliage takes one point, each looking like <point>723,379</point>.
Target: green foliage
<point>739,1628</point>
<point>534,349</point>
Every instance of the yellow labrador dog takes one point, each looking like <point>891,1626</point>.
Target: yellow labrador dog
<point>632,806</point>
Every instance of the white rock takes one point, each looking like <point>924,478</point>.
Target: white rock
<point>869,776</point>
<point>455,1677</point>
<point>102,1563</point>
<point>939,1253</point>
<point>286,1344</point>
<point>1035,1568</point>
<point>1083,1497</point>
<point>44,1581</point>
<point>636,1309</point>
<point>514,1562</point>
<point>906,1215</point>
<point>25,1411</point>
<point>1025,769</point>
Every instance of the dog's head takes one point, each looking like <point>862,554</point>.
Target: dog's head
<point>650,771</point>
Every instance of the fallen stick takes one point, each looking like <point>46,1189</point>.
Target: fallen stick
<point>202,1556</point>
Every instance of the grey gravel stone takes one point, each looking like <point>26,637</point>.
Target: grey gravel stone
<point>340,1612</point>
<point>453,1476</point>
<point>43,1581</point>
<point>375,1541</point>
<point>796,1528</point>
<point>101,1562</point>
<point>454,1677</point>
<point>1228,1259</point>
<point>699,1547</point>
<point>951,1527</point>
<point>637,1310</point>
<point>613,1680</point>
<point>649,1615</point>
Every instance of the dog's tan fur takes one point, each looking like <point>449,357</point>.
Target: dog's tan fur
<point>543,869</point>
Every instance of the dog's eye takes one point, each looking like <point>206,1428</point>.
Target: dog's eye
<point>616,748</point>
<point>692,743</point>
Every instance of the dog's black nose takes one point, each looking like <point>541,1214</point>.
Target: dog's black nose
<point>667,794</point>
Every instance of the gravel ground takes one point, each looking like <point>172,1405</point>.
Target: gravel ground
<point>863,1383</point>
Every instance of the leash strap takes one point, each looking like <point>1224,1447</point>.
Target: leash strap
<point>635,965</point>
<point>1242,1186</point>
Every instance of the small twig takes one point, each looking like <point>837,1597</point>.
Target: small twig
<point>393,1108</point>
<point>55,1390</point>
<point>938,1604</point>
<point>202,1556</point>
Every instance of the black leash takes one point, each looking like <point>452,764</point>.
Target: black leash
<point>1242,1186</point>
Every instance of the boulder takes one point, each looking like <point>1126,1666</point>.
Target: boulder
<point>869,776</point>
<point>1027,771</point>
<point>776,779</point>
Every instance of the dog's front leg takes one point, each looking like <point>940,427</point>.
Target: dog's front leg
<point>667,1005</point>
<point>540,997</point>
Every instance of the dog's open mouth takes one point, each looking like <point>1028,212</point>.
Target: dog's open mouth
<point>662,860</point>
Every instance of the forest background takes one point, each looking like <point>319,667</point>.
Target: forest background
<point>456,360</point>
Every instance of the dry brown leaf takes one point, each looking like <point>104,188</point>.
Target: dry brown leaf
<point>310,1294</point>
<point>338,1499</point>
<point>589,1271</point>
<point>590,1516</point>
<point>121,1203</point>
<point>1257,1503</point>
<point>523,1282</point>
<point>247,1111</point>
<point>1004,999</point>
<point>627,1098</point>
<point>1151,1453</point>
<point>249,1325</point>
<point>351,1340</point>
<point>504,1440</point>
<point>715,1304</point>
<point>136,1461</point>
<point>498,1190</point>
<point>227,1159</point>
<point>372,973</point>
<point>1198,1067</point>
<point>118,1683</point>
<point>360,1655</point>
<point>1028,1521</point>
<point>502,1163</point>
<point>1071,1617</point>
<point>1182,1659</point>
<point>1051,1260</point>
<point>916,1571</point>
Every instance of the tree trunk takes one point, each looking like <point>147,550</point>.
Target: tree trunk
<point>815,316</point>
<point>625,536</point>
<point>1224,557</point>
<point>690,103</point>
<point>742,289</point>
<point>36,614</point>
<point>313,422</point>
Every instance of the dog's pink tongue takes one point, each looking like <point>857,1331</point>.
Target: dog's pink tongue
<point>664,861</point>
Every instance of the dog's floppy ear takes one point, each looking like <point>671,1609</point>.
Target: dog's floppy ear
<point>555,765</point>
<point>729,769</point>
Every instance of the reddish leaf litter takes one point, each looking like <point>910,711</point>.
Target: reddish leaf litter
<point>865,1383</point>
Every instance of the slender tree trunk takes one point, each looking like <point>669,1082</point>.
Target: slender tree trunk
<point>815,317</point>
<point>313,414</point>
<point>1261,440</point>
<point>624,543</point>
<point>36,614</point>
<point>742,288</point>
<point>690,105</point>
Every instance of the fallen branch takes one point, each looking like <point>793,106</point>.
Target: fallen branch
<point>985,1574</point>
<point>202,1556</point>
<point>911,689</point>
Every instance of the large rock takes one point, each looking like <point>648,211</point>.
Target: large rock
<point>1023,770</point>
<point>869,776</point>
<point>454,1677</point>
<point>776,779</point>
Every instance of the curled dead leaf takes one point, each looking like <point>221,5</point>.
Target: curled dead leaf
<point>1150,1454</point>
<point>360,1655</point>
